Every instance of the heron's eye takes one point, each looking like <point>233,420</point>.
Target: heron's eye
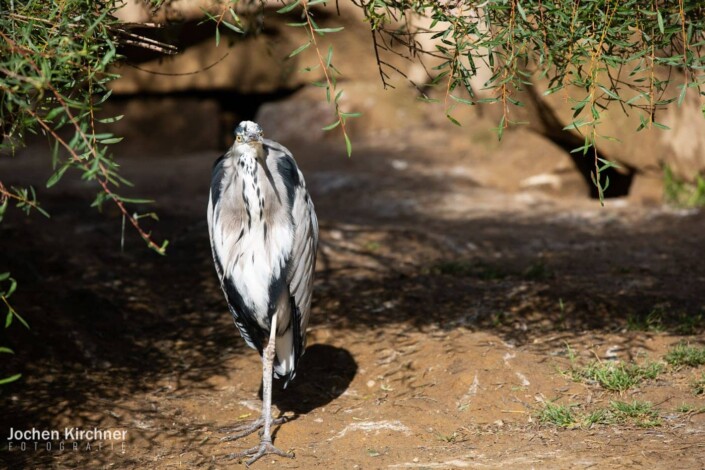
<point>238,138</point>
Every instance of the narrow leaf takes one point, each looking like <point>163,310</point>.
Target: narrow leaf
<point>659,18</point>
<point>300,49</point>
<point>12,378</point>
<point>331,126</point>
<point>53,179</point>
<point>348,144</point>
<point>289,7</point>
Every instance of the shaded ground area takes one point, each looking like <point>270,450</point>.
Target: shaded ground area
<point>446,315</point>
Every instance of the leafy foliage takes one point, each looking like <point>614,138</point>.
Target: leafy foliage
<point>608,52</point>
<point>7,287</point>
<point>53,73</point>
<point>53,63</point>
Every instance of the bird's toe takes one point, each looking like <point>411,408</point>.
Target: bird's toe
<point>242,430</point>
<point>257,452</point>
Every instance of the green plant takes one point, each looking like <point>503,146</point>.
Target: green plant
<point>7,287</point>
<point>609,53</point>
<point>653,321</point>
<point>54,58</point>
<point>599,416</point>
<point>683,354</point>
<point>661,319</point>
<point>640,413</point>
<point>557,415</point>
<point>689,408</point>
<point>680,193</point>
<point>616,376</point>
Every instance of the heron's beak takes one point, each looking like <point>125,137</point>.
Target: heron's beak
<point>255,141</point>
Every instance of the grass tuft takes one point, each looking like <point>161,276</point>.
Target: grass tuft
<point>558,415</point>
<point>616,376</point>
<point>636,413</point>
<point>640,413</point>
<point>683,354</point>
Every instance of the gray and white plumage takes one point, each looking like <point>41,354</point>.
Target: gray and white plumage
<point>264,234</point>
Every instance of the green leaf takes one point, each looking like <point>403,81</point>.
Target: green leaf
<point>13,287</point>
<point>289,7</point>
<point>233,27</point>
<point>348,144</point>
<point>300,49</point>
<point>681,95</point>
<point>111,120</point>
<point>329,57</point>
<point>111,140</point>
<point>608,92</point>
<point>53,113</point>
<point>6,350</point>
<point>659,19</point>
<point>576,124</point>
<point>461,100</point>
<point>4,276</point>
<point>660,126</point>
<point>53,179</point>
<point>453,120</point>
<point>331,126</point>
<point>130,200</point>
<point>12,378</point>
<point>105,97</point>
<point>217,37</point>
<point>322,31</point>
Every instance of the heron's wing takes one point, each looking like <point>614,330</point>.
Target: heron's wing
<point>302,261</point>
<point>303,256</point>
<point>213,206</point>
<point>242,315</point>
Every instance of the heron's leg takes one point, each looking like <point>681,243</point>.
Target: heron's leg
<point>265,447</point>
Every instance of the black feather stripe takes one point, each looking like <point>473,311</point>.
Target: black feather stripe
<point>244,318</point>
<point>298,339</point>
<point>217,179</point>
<point>290,175</point>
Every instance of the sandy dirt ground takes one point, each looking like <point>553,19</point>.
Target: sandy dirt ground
<point>445,316</point>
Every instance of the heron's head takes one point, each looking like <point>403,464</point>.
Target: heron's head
<point>248,139</point>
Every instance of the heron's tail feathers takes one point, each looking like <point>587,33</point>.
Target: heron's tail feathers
<point>289,347</point>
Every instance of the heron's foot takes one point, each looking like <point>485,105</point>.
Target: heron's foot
<point>246,429</point>
<point>255,453</point>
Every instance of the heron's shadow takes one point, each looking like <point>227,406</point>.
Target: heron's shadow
<point>322,375</point>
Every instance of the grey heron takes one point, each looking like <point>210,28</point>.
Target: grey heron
<point>264,234</point>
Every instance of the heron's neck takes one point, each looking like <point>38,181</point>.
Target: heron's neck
<point>246,163</point>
